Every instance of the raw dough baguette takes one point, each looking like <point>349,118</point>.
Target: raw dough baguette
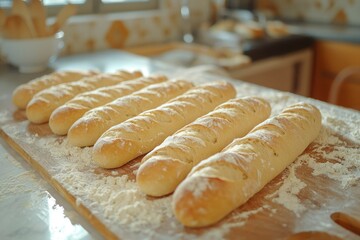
<point>86,130</point>
<point>169,163</point>
<point>228,179</point>
<point>24,93</point>
<point>64,116</point>
<point>142,133</point>
<point>45,102</point>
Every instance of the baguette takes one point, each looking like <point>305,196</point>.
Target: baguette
<point>228,179</point>
<point>45,102</point>
<point>64,116</point>
<point>169,163</point>
<point>24,93</point>
<point>142,133</point>
<point>86,130</point>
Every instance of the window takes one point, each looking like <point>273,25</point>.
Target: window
<point>5,3</point>
<point>126,5</point>
<point>94,6</point>
<point>61,2</point>
<point>83,6</point>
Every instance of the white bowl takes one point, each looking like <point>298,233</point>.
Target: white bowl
<point>32,55</point>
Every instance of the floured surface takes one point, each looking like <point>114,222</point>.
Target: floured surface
<point>323,180</point>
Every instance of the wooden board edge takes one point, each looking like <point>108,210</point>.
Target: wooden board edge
<point>80,208</point>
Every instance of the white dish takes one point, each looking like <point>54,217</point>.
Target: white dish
<point>32,55</point>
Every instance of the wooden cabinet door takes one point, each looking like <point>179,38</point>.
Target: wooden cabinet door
<point>330,59</point>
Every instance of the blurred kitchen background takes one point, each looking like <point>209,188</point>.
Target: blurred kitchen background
<point>309,47</point>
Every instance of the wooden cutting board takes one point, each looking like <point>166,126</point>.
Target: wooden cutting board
<point>307,200</point>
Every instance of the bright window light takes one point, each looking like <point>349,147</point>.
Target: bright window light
<point>62,2</point>
<point>116,1</point>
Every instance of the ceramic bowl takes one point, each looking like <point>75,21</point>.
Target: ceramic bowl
<point>32,55</point>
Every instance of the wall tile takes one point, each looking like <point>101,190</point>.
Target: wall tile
<point>117,34</point>
<point>119,30</point>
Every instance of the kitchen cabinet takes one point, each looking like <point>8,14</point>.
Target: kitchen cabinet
<point>283,63</point>
<point>330,59</point>
<point>289,72</point>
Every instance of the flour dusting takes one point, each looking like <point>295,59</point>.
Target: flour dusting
<point>287,194</point>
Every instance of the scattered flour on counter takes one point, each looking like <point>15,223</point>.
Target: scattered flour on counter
<point>5,116</point>
<point>342,162</point>
<point>19,184</point>
<point>344,166</point>
<point>111,198</point>
<point>12,185</point>
<point>286,195</point>
<point>343,157</point>
<point>245,215</point>
<point>325,136</point>
<point>347,124</point>
<point>117,199</point>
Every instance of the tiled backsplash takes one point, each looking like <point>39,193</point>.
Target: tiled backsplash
<point>323,11</point>
<point>119,30</point>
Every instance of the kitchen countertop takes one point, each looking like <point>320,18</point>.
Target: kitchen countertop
<point>29,206</point>
<point>331,32</point>
<point>302,36</point>
<point>267,47</point>
<point>317,30</point>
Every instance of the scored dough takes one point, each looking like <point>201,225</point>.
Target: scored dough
<point>168,164</point>
<point>86,130</point>
<point>64,116</point>
<point>140,134</point>
<point>228,179</point>
<point>25,92</point>
<point>46,101</point>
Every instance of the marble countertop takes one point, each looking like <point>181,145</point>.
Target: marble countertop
<point>30,208</point>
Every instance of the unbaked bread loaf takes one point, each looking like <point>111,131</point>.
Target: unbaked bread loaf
<point>86,130</point>
<point>45,102</point>
<point>223,182</point>
<point>168,164</point>
<point>24,93</point>
<point>142,133</point>
<point>64,116</point>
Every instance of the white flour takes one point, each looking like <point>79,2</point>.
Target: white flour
<point>288,191</point>
<point>14,181</point>
<point>4,116</point>
<point>12,185</point>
